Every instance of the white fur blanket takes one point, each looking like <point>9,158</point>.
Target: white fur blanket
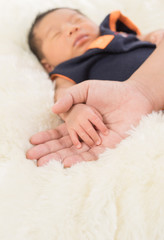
<point>118,197</point>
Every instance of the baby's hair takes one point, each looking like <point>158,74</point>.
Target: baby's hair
<point>33,41</point>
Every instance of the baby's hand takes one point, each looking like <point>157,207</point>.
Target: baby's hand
<point>154,37</point>
<point>82,122</point>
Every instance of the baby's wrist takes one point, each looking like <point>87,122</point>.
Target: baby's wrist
<point>63,116</point>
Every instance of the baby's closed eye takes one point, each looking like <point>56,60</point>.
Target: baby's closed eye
<point>56,34</point>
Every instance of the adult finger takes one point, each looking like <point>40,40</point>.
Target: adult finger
<point>48,135</point>
<point>75,94</point>
<point>63,154</point>
<point>91,154</point>
<point>48,147</point>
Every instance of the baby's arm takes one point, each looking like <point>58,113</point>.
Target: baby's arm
<point>154,37</point>
<point>82,120</point>
<point>61,86</point>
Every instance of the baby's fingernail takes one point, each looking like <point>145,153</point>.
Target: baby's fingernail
<point>78,146</point>
<point>98,142</point>
<point>106,132</point>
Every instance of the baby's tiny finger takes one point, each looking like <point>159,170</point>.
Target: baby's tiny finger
<point>98,123</point>
<point>89,128</point>
<point>74,138</point>
<point>85,137</point>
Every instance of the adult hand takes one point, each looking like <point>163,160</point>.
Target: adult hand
<point>155,37</point>
<point>57,144</point>
<point>121,104</point>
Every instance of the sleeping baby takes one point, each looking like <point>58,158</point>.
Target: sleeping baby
<point>72,49</point>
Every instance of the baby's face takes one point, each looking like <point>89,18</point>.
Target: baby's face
<point>64,34</point>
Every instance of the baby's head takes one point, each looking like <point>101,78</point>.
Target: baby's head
<point>59,35</point>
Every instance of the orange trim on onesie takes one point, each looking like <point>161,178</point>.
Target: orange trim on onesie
<point>117,15</point>
<point>53,76</point>
<point>101,42</point>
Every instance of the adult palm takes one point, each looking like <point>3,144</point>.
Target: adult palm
<point>121,104</point>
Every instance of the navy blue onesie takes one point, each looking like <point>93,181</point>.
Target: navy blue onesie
<point>115,55</point>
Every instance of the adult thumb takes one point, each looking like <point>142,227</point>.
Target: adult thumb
<point>73,95</point>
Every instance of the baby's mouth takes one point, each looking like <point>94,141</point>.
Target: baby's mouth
<point>80,40</point>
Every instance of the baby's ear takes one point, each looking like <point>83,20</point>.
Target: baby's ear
<point>49,68</point>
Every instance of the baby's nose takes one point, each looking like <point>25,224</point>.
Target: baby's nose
<point>72,29</point>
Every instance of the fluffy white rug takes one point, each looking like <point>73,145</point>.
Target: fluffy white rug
<point>120,196</point>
